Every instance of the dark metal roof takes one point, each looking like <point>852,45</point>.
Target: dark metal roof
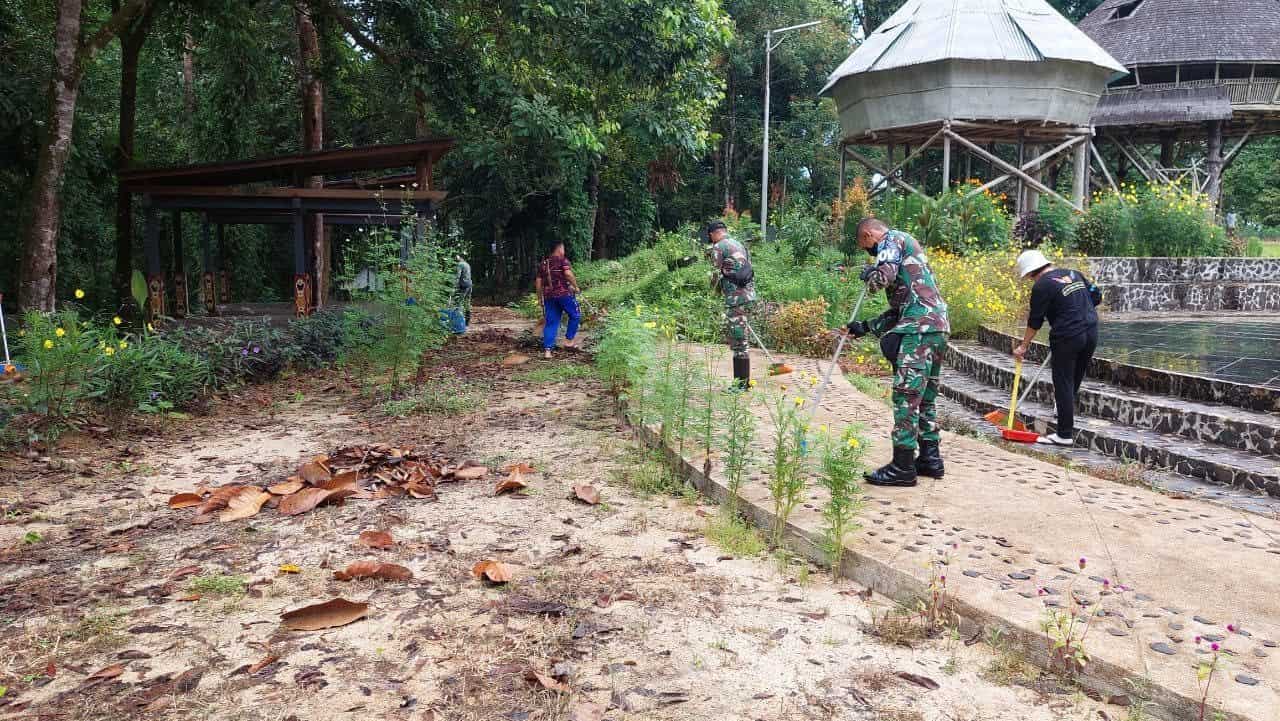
<point>1165,32</point>
<point>295,167</point>
<point>1185,105</point>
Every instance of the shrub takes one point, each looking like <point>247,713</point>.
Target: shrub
<point>1150,220</point>
<point>318,340</point>
<point>238,352</point>
<point>801,327</point>
<point>60,352</point>
<point>846,212</point>
<point>150,374</point>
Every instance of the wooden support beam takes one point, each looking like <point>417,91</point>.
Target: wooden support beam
<point>1080,180</point>
<point>1034,162</point>
<point>1010,168</point>
<point>946,164</point>
<point>1102,164</point>
<point>1240,145</point>
<point>844,161</point>
<point>870,165</point>
<point>1214,164</point>
<point>1149,171</point>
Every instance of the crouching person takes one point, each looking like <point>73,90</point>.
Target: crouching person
<point>917,316</point>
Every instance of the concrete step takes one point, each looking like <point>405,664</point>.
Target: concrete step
<point>1209,423</point>
<point>1216,464</point>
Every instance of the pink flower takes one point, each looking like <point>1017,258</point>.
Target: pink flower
<point>1198,639</point>
<point>1083,562</point>
<point>1215,647</point>
<point>1231,627</point>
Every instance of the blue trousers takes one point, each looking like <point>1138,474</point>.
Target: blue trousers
<point>552,309</point>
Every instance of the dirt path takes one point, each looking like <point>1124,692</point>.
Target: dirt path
<point>625,603</point>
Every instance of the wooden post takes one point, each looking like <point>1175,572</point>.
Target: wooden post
<point>1166,150</point>
<point>301,279</point>
<point>155,273</point>
<point>208,281</point>
<point>180,295</point>
<point>1080,183</point>
<point>1032,197</point>
<point>1020,199</point>
<point>1214,164</point>
<point>844,160</point>
<point>946,164</point>
<point>968,166</point>
<point>224,275</point>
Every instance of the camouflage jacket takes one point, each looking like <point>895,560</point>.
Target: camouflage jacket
<point>727,256</point>
<point>902,270</point>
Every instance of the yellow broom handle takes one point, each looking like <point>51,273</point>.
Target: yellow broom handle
<point>1013,397</point>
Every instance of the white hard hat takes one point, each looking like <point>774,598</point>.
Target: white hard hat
<point>1030,261</point>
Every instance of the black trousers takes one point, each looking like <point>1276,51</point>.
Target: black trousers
<point>1071,358</point>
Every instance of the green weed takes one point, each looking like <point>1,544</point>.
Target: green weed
<point>842,468</point>
<point>557,373</point>
<point>437,398</point>
<point>734,537</point>
<point>218,585</point>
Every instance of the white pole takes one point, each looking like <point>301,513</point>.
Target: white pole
<point>4,335</point>
<point>764,173</point>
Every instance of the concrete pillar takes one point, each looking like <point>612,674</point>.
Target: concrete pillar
<point>946,163</point>
<point>1080,181</point>
<point>1032,202</point>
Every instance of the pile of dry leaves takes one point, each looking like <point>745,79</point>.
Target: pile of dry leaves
<point>368,472</point>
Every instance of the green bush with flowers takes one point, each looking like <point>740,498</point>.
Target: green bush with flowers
<point>1153,220</point>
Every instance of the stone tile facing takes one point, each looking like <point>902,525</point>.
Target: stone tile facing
<point>1179,295</point>
<point>1156,381</point>
<point>1185,270</point>
<point>1248,431</point>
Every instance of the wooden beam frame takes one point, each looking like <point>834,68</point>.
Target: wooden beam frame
<point>1029,165</point>
<point>997,160</point>
<point>1103,165</point>
<point>871,165</point>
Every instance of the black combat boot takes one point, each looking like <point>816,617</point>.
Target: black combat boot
<point>929,464</point>
<point>742,372</point>
<point>901,472</point>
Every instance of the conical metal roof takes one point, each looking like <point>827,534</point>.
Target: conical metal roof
<point>1017,31</point>
<point>1169,32</point>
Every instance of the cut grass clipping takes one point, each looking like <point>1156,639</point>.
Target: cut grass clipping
<point>436,399</point>
<point>557,374</point>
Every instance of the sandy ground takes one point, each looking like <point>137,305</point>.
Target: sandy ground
<point>625,607</point>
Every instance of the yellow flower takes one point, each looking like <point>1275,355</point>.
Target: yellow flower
<point>59,332</point>
<point>151,327</point>
<point>110,351</point>
<point>123,345</point>
<point>116,320</point>
<point>79,294</point>
<point>48,344</point>
<point>823,427</point>
<point>753,383</point>
<point>102,344</point>
<point>799,401</point>
<point>651,324</point>
<point>853,443</point>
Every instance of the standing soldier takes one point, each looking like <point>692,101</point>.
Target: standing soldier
<point>733,276</point>
<point>917,323</point>
<point>462,287</point>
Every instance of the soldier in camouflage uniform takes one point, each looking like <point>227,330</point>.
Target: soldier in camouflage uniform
<point>917,316</point>
<point>732,274</point>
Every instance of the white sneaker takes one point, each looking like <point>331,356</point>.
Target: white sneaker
<point>1053,439</point>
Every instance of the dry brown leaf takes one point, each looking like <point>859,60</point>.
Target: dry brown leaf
<point>261,664</point>
<point>375,539</point>
<point>587,494</point>
<point>107,672</point>
<point>184,572</point>
<point>185,500</point>
<point>515,359</point>
<point>550,684</point>
<point>313,472</point>
<point>374,569</point>
<point>586,711</point>
<point>244,504</point>
<point>420,490</point>
<point>495,571</point>
<point>192,597</point>
<point>511,483</point>
<point>304,500</point>
<point>470,473</point>
<point>330,614</point>
<point>346,479</point>
<point>287,487</point>
<point>217,499</point>
<point>521,467</point>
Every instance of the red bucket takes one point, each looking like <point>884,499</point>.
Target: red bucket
<point>1017,436</point>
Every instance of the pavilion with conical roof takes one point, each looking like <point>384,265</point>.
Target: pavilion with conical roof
<point>1198,72</point>
<point>978,73</point>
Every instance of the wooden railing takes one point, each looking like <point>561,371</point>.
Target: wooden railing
<point>1259,91</point>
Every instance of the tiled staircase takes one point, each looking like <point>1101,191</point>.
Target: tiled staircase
<point>1217,443</point>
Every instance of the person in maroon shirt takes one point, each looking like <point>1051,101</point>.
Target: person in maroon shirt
<point>558,289</point>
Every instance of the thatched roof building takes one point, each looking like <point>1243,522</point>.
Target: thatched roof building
<point>1197,69</point>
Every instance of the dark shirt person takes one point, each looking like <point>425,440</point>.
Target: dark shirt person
<point>557,289</point>
<point>1068,301</point>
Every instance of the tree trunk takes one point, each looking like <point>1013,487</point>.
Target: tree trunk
<point>38,287</point>
<point>189,76</point>
<point>131,43</point>
<point>593,195</point>
<point>312,92</point>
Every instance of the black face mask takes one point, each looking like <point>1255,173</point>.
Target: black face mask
<point>871,251</point>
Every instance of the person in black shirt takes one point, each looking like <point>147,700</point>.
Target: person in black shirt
<point>1068,301</point>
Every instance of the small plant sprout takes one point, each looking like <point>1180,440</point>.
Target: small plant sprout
<point>1068,630</point>
<point>787,480</point>
<point>1207,669</point>
<point>737,432</point>
<point>841,468</point>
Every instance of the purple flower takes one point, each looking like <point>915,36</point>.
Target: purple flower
<point>1231,627</point>
<point>1106,583</point>
<point>256,349</point>
<point>942,579</point>
<point>1198,639</point>
<point>1215,647</point>
<point>1040,591</point>
<point>1082,563</point>
<point>244,351</point>
<point>155,395</point>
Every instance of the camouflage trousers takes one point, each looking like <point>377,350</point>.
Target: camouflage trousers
<point>736,332</point>
<point>915,389</point>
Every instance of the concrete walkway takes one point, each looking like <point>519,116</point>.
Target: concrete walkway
<point>1007,526</point>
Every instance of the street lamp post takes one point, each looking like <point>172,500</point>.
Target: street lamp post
<point>769,47</point>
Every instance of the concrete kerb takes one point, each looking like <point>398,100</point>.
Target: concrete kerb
<point>899,583</point>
